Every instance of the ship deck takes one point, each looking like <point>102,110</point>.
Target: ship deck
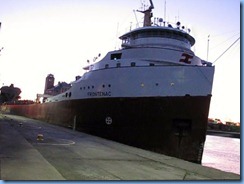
<point>35,150</point>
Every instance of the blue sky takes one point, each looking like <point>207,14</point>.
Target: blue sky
<point>58,36</point>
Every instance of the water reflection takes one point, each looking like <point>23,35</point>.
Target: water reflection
<point>222,153</point>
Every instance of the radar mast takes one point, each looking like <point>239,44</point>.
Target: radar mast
<point>147,15</point>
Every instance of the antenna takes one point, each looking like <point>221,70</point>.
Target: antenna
<point>208,47</point>
<point>137,24</point>
<point>165,10</point>
<point>117,33</point>
<point>178,16</point>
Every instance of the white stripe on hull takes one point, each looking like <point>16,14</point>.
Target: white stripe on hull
<point>157,81</point>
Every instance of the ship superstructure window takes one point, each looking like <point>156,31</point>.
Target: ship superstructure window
<point>90,87</point>
<point>162,34</point>
<point>157,33</point>
<point>126,41</point>
<point>116,56</point>
<point>132,64</point>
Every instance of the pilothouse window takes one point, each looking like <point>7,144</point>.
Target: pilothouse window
<point>162,34</point>
<point>116,56</point>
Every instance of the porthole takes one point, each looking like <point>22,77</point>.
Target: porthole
<point>109,85</point>
<point>103,86</point>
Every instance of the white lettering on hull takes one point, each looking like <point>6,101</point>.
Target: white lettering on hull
<point>99,93</point>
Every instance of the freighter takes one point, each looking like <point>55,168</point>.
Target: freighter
<point>153,93</point>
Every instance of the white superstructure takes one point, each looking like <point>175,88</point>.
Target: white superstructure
<point>154,61</point>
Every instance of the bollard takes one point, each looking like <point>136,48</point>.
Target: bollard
<point>39,137</point>
<point>74,125</point>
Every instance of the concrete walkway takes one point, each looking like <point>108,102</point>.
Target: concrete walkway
<point>64,154</point>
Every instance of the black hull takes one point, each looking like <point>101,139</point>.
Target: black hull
<point>175,126</point>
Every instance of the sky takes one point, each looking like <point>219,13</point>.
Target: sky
<point>40,37</point>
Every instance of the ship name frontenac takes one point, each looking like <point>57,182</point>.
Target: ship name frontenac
<point>99,93</point>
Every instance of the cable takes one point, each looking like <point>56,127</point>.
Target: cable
<point>226,50</point>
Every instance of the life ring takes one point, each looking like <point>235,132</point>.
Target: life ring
<point>108,120</point>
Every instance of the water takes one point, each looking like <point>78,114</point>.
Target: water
<point>222,153</point>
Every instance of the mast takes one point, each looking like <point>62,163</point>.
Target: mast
<point>164,10</point>
<point>147,15</point>
<point>151,6</point>
<point>208,47</point>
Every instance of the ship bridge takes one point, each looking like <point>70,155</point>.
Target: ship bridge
<point>157,36</point>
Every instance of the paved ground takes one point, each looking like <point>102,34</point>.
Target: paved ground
<point>64,154</point>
